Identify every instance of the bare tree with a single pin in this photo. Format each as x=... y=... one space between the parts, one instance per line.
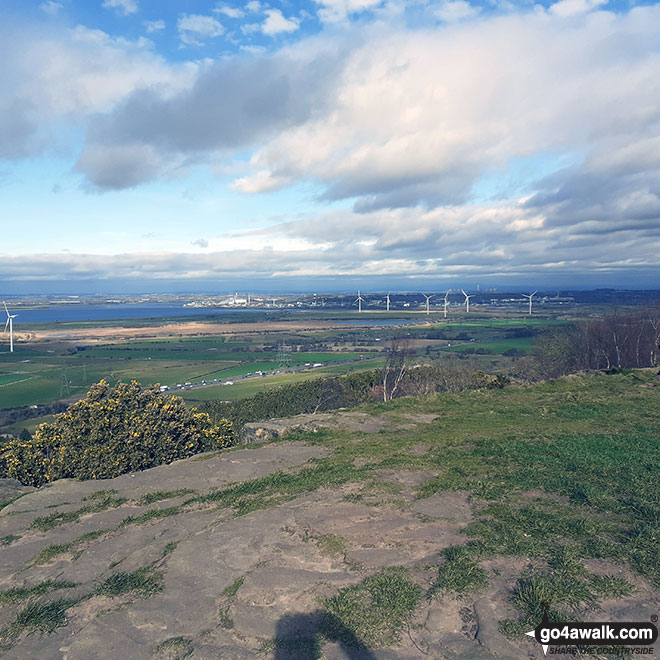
x=396 y=366
x=654 y=344
x=618 y=340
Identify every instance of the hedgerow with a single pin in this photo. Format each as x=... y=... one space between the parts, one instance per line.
x=297 y=398
x=113 y=430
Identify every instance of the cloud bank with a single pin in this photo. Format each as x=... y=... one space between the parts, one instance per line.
x=501 y=143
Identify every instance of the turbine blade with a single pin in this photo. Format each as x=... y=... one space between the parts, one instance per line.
x=6 y=324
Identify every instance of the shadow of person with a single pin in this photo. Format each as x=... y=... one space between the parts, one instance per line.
x=300 y=636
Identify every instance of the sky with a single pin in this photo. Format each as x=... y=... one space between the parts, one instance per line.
x=156 y=145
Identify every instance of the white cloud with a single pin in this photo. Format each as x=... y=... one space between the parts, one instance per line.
x=574 y=7
x=276 y=23
x=250 y=28
x=254 y=6
x=262 y=181
x=231 y=12
x=458 y=10
x=51 y=7
x=193 y=27
x=417 y=117
x=402 y=123
x=333 y=11
x=122 y=7
x=154 y=26
x=68 y=74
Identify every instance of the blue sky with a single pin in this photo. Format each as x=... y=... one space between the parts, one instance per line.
x=302 y=144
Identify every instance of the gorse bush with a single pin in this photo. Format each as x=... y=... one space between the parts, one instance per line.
x=112 y=431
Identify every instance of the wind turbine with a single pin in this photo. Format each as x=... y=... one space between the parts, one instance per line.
x=467 y=301
x=388 y=301
x=10 y=323
x=359 y=301
x=428 y=298
x=446 y=301
x=530 y=296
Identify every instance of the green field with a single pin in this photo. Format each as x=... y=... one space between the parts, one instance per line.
x=30 y=376
x=43 y=373
x=245 y=388
x=497 y=346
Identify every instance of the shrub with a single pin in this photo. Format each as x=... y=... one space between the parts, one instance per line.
x=296 y=398
x=112 y=431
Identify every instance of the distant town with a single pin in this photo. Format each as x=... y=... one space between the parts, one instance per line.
x=407 y=300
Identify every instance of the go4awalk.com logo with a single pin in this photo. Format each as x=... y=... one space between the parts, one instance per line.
x=596 y=638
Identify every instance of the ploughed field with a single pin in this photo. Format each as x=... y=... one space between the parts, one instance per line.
x=441 y=527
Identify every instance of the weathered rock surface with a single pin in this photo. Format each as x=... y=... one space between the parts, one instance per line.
x=350 y=420
x=10 y=489
x=230 y=585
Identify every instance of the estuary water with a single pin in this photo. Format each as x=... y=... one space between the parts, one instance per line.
x=115 y=311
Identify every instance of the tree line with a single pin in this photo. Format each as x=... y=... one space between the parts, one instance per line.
x=622 y=340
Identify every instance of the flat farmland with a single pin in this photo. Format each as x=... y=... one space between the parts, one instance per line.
x=42 y=375
x=245 y=388
x=495 y=346
x=61 y=362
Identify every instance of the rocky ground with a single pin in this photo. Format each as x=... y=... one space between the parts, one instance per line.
x=140 y=570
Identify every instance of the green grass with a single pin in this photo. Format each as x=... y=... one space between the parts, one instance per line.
x=308 y=648
x=8 y=539
x=99 y=501
x=170 y=547
x=560 y=473
x=7 y=378
x=159 y=495
x=175 y=648
x=373 y=612
x=590 y=443
x=152 y=514
x=52 y=551
x=165 y=362
x=331 y=544
x=231 y=590
x=249 y=387
x=143 y=582
x=41 y=617
x=460 y=574
x=496 y=346
x=563 y=592
x=21 y=593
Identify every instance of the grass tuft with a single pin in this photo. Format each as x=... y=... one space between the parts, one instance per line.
x=152 y=514
x=38 y=617
x=373 y=612
x=144 y=582
x=99 y=501
x=169 y=548
x=21 y=593
x=160 y=495
x=459 y=574
x=565 y=590
x=8 y=539
x=331 y=544
x=231 y=590
x=175 y=648
x=51 y=551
